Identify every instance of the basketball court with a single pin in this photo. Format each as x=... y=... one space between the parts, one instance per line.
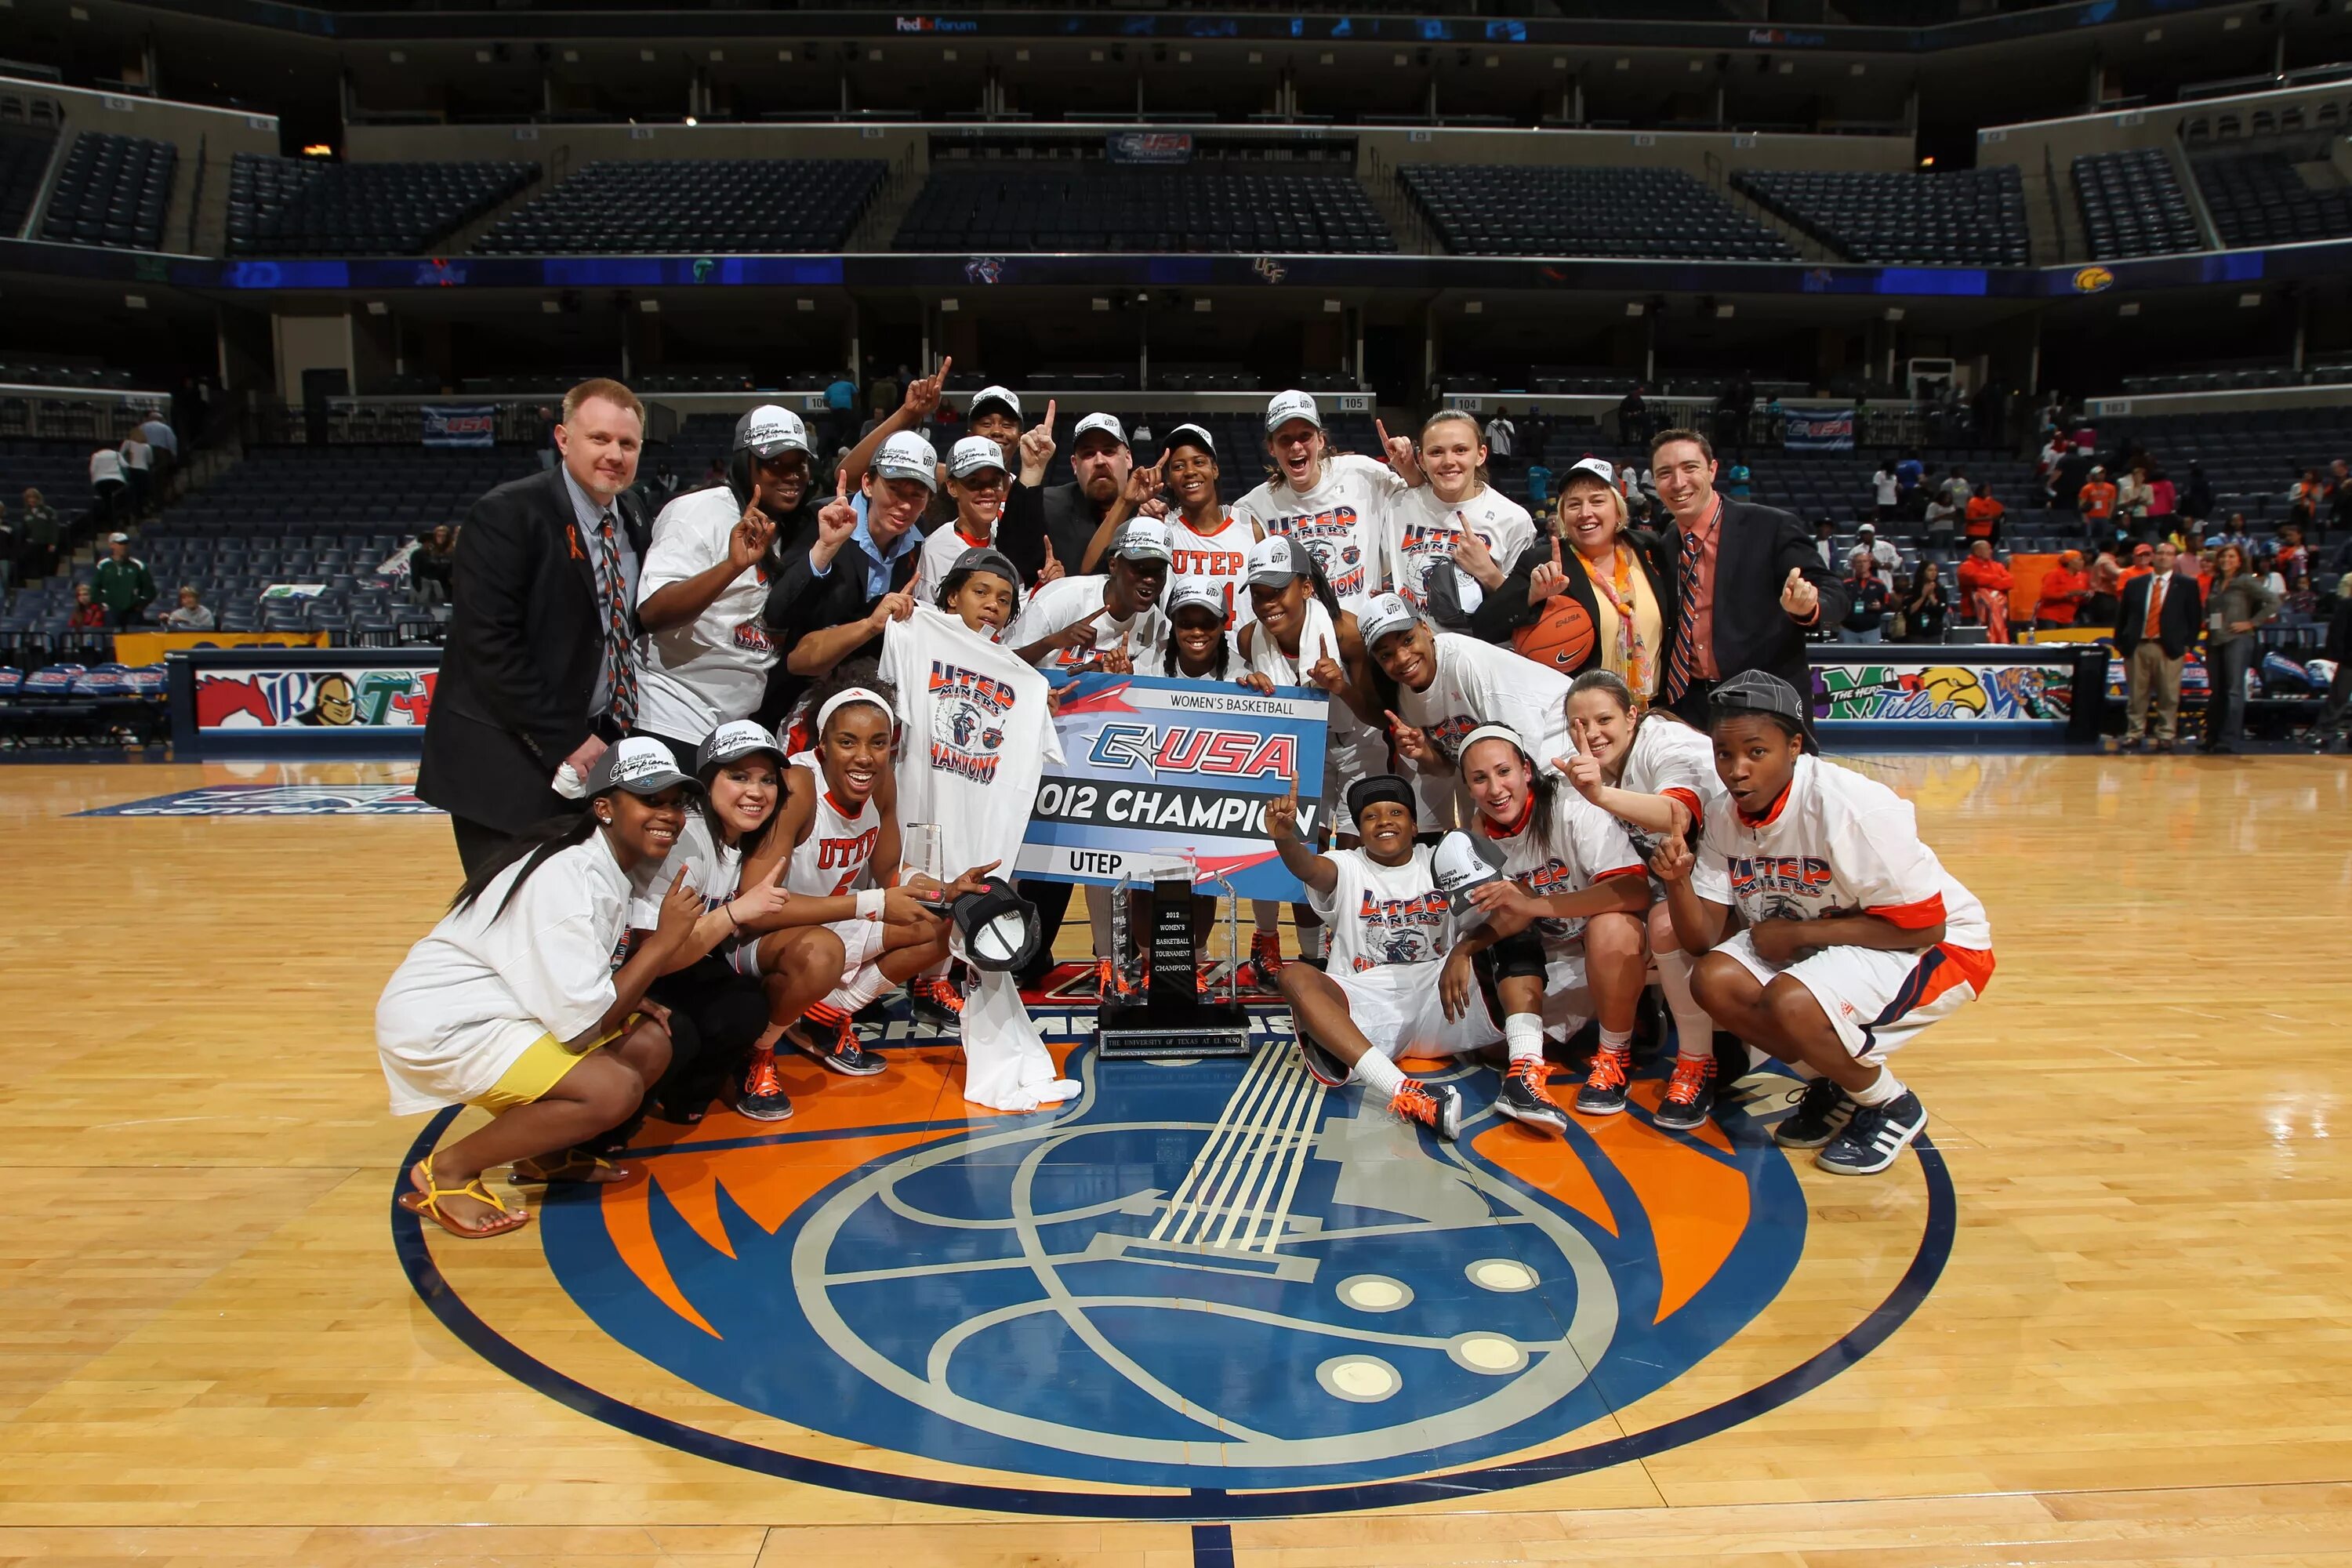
x=1209 y=1313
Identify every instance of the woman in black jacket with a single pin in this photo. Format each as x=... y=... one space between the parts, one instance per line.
x=1614 y=573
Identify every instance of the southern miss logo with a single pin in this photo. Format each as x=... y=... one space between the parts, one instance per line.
x=968 y=711
x=1221 y=753
x=1401 y=930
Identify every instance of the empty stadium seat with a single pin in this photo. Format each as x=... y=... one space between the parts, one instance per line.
x=671 y=205
x=301 y=206
x=2263 y=198
x=1122 y=209
x=113 y=191
x=1521 y=209
x=25 y=152
x=2132 y=205
x=1969 y=218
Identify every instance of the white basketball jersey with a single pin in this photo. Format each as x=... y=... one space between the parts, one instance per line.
x=1384 y=914
x=1214 y=560
x=832 y=861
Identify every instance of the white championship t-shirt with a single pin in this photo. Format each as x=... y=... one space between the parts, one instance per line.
x=1384 y=914
x=705 y=672
x=1478 y=683
x=481 y=987
x=1586 y=845
x=1836 y=844
x=1066 y=600
x=1670 y=758
x=1421 y=531
x=1342 y=521
x=976 y=740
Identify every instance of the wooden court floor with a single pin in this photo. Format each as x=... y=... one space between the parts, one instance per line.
x=2140 y=1350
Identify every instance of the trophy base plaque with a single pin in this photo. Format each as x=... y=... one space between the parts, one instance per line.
x=1170 y=1018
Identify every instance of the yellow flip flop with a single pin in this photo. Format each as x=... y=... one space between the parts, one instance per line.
x=428 y=1203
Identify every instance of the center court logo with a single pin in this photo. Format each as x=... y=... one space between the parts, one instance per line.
x=1216 y=1281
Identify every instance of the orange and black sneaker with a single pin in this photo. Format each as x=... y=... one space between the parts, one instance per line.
x=827 y=1036
x=761 y=1097
x=1265 y=961
x=1437 y=1107
x=935 y=998
x=1603 y=1093
x=1690 y=1094
x=1525 y=1096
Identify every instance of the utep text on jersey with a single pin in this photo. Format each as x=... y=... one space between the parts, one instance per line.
x=1405 y=931
x=968 y=711
x=1330 y=537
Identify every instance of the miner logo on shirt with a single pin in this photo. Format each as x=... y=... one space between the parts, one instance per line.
x=752 y=637
x=1330 y=537
x=1404 y=931
x=968 y=711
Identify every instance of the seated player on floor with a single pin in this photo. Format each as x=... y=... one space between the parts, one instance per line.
x=1845 y=938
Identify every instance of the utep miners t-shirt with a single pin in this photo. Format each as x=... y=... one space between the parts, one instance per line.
x=702 y=673
x=1478 y=683
x=976 y=740
x=1839 y=843
x=1343 y=521
x=1586 y=846
x=1384 y=914
x=1064 y=602
x=1421 y=531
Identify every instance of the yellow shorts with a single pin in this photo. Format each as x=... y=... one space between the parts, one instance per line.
x=543 y=1066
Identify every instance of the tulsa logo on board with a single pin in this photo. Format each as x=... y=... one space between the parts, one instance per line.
x=1213 y=1277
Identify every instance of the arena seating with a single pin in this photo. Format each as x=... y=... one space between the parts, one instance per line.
x=25 y=153
x=113 y=191
x=1523 y=209
x=2132 y=205
x=384 y=490
x=1969 y=218
x=302 y=206
x=2260 y=198
x=1142 y=209
x=668 y=206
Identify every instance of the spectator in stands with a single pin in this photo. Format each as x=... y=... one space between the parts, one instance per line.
x=883 y=392
x=1943 y=519
x=1927 y=606
x=1865 y=616
x=2132 y=499
x=432 y=567
x=840 y=411
x=108 y=491
x=1984 y=516
x=2155 y=627
x=88 y=613
x=2266 y=568
x=1502 y=441
x=138 y=470
x=1910 y=474
x=2045 y=464
x=542 y=434
x=1955 y=490
x=1887 y=491
x=192 y=614
x=2196 y=500
x=1632 y=418
x=713 y=473
x=539 y=673
x=2105 y=601
x=2064 y=589
x=1738 y=482
x=1885 y=558
x=2294 y=560
x=2335 y=713
x=2163 y=498
x=2096 y=502
x=2339 y=493
x=8 y=549
x=1538 y=479
x=2143 y=561
x=2234 y=532
x=1985 y=584
x=38 y=529
x=164 y=438
x=1825 y=542
x=1746 y=585
x=2073 y=472
x=2304 y=498
x=2238 y=604
x=123 y=583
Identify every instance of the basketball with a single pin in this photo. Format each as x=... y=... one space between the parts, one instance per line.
x=1562 y=636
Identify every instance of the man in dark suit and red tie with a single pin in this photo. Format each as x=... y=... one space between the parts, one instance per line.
x=538 y=670
x=1748 y=583
x=2154 y=629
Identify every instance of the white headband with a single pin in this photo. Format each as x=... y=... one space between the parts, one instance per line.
x=842 y=698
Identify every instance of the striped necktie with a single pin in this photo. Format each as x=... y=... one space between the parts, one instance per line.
x=1682 y=667
x=618 y=665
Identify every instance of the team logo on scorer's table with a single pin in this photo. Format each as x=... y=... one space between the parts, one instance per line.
x=1211 y=1287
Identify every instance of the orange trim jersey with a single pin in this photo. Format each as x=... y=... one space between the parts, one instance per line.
x=1215 y=561
x=832 y=859
x=1838 y=843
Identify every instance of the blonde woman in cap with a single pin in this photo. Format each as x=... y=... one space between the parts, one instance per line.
x=1335 y=505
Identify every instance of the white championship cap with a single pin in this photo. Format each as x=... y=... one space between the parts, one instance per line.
x=1383 y=615
x=769 y=430
x=989 y=397
x=906 y=456
x=1105 y=423
x=1273 y=563
x=1143 y=539
x=1462 y=862
x=1287 y=407
x=973 y=453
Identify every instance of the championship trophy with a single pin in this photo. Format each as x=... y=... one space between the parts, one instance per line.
x=1155 y=1009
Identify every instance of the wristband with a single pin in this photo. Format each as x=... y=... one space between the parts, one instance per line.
x=729 y=907
x=869 y=904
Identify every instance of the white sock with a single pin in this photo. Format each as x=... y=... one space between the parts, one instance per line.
x=1523 y=1033
x=1884 y=1089
x=1694 y=1029
x=1616 y=1039
x=1378 y=1074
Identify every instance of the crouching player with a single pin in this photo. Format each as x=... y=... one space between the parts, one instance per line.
x=1852 y=937
x=1390 y=933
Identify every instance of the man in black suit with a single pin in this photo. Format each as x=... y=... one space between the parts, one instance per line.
x=538 y=670
x=1752 y=575
x=2154 y=629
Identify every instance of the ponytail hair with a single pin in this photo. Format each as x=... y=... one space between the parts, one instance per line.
x=1600 y=680
x=1543 y=790
x=535 y=846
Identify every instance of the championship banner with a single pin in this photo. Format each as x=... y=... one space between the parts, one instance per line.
x=1821 y=432
x=460 y=425
x=1160 y=769
x=1149 y=147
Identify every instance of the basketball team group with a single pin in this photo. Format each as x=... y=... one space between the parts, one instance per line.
x=723 y=777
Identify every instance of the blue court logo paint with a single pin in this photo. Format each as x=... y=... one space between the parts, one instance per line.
x=1209 y=1278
